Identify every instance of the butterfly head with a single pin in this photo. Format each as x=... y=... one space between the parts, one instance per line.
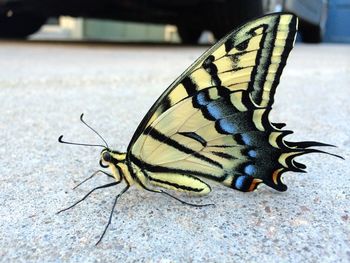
x=109 y=157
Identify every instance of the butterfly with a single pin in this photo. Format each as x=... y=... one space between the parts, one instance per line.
x=212 y=121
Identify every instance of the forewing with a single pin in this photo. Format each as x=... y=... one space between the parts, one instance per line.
x=249 y=58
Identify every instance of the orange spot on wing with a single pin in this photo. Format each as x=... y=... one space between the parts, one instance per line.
x=275 y=175
x=254 y=184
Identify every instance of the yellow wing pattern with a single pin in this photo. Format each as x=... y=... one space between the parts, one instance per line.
x=212 y=122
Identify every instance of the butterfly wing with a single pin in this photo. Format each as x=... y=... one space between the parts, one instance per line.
x=212 y=122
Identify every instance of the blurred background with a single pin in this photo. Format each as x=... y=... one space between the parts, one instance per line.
x=181 y=21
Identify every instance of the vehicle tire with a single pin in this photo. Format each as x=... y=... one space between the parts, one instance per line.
x=233 y=14
x=20 y=25
x=310 y=33
x=189 y=35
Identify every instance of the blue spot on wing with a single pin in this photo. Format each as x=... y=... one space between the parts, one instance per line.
x=219 y=109
x=243 y=182
x=201 y=99
x=227 y=126
x=240 y=181
x=252 y=154
x=215 y=110
x=246 y=139
x=249 y=169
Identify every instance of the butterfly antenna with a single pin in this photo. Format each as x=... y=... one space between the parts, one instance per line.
x=82 y=144
x=82 y=120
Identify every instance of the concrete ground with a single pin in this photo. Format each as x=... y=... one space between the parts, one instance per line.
x=45 y=87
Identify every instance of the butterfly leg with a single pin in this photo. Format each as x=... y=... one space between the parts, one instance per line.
x=174 y=197
x=111 y=214
x=93 y=190
x=91 y=176
x=184 y=202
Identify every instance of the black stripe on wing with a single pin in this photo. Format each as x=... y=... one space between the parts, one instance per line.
x=161 y=169
x=263 y=61
x=190 y=86
x=195 y=137
x=211 y=68
x=178 y=146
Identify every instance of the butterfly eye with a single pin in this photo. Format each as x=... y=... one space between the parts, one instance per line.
x=107 y=157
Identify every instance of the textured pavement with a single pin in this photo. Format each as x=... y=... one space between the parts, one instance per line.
x=45 y=87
